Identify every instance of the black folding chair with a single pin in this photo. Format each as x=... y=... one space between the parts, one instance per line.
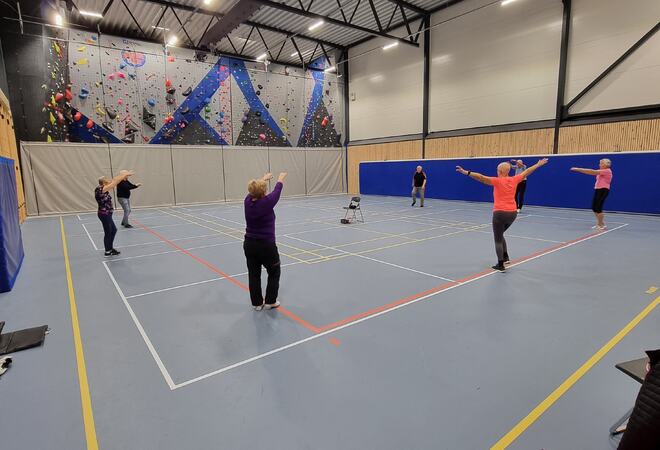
x=352 y=210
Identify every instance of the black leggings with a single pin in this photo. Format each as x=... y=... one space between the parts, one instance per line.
x=599 y=200
x=109 y=230
x=520 y=194
x=262 y=253
x=502 y=220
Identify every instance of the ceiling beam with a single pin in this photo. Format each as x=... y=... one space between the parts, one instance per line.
x=248 y=22
x=330 y=20
x=445 y=5
x=409 y=6
x=231 y=20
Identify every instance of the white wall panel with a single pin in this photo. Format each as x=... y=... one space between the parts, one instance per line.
x=388 y=87
x=495 y=65
x=601 y=31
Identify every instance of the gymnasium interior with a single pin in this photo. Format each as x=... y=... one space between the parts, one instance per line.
x=395 y=330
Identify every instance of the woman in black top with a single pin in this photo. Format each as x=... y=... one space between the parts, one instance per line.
x=104 y=201
x=124 y=189
x=418 y=185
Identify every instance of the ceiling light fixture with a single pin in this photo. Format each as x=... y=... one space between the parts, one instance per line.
x=207 y=2
x=392 y=45
x=172 y=40
x=506 y=2
x=262 y=57
x=160 y=28
x=59 y=21
x=91 y=14
x=315 y=25
x=330 y=69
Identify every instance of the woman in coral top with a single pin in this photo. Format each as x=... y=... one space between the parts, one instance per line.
x=601 y=189
x=505 y=209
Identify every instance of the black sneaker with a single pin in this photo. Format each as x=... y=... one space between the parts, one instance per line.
x=128 y=225
x=500 y=267
x=421 y=206
x=413 y=203
x=114 y=252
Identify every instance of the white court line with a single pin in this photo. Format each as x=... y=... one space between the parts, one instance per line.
x=140 y=229
x=147 y=341
x=158 y=291
x=373 y=316
x=372 y=259
x=171 y=251
x=570 y=218
x=173 y=240
x=522 y=237
x=90 y=237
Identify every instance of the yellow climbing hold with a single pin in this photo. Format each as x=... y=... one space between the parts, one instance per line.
x=51 y=117
x=283 y=120
x=82 y=62
x=82 y=48
x=49 y=139
x=57 y=48
x=99 y=110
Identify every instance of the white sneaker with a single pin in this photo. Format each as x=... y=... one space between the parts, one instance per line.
x=518 y=209
x=602 y=228
x=271 y=305
x=594 y=227
x=258 y=308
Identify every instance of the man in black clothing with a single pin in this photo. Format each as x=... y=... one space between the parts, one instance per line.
x=418 y=185
x=124 y=189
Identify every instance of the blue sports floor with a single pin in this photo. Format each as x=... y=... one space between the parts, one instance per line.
x=394 y=333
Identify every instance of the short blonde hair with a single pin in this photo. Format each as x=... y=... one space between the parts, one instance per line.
x=257 y=188
x=103 y=181
x=607 y=162
x=503 y=167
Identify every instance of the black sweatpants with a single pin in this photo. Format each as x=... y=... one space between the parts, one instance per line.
x=260 y=253
x=109 y=231
x=520 y=194
x=502 y=220
x=599 y=200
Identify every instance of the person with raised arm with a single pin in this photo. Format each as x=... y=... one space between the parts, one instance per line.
x=260 y=246
x=505 y=209
x=105 y=209
x=601 y=189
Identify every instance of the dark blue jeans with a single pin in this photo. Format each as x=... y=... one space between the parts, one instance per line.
x=109 y=230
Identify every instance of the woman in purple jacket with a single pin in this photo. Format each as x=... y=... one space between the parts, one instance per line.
x=259 y=245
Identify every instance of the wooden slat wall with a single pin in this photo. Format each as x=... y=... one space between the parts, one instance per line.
x=527 y=142
x=378 y=152
x=634 y=135
x=8 y=148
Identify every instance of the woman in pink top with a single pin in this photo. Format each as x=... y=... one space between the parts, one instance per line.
x=505 y=209
x=601 y=189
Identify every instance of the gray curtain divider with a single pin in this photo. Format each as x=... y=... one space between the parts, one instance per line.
x=60 y=177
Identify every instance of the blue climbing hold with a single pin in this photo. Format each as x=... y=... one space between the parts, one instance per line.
x=152 y=102
x=83 y=94
x=122 y=65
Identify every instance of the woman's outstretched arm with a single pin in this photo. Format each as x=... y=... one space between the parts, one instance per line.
x=527 y=172
x=585 y=171
x=474 y=175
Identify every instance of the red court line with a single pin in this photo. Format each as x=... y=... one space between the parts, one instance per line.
x=210 y=266
x=447 y=286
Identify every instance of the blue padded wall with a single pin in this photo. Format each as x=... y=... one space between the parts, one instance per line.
x=635 y=186
x=11 y=242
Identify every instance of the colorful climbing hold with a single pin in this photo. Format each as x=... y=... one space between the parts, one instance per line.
x=90 y=124
x=324 y=122
x=51 y=117
x=151 y=102
x=262 y=137
x=77 y=116
x=68 y=95
x=168 y=83
x=121 y=75
x=59 y=97
x=83 y=94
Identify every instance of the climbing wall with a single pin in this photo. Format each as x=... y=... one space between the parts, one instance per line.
x=110 y=89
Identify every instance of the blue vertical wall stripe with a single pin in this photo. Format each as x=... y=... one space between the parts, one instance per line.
x=635 y=185
x=11 y=242
x=195 y=102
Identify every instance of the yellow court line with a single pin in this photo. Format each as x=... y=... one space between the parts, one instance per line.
x=85 y=399
x=652 y=290
x=230 y=235
x=241 y=238
x=542 y=407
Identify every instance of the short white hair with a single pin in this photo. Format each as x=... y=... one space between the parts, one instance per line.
x=419 y=167
x=607 y=162
x=503 y=167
